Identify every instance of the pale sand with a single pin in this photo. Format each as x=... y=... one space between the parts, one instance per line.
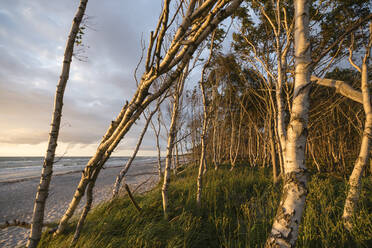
x=17 y=199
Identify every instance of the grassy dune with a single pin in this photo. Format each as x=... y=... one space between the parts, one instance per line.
x=237 y=211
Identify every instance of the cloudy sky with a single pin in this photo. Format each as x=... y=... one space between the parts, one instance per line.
x=32 y=41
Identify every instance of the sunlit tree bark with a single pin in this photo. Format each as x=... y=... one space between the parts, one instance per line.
x=284 y=232
x=281 y=59
x=203 y=137
x=215 y=133
x=87 y=207
x=47 y=171
x=341 y=87
x=124 y=171
x=172 y=140
x=179 y=52
x=157 y=130
x=352 y=198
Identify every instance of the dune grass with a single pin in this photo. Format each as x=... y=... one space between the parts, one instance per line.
x=237 y=211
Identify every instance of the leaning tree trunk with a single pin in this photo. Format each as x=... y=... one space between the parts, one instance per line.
x=171 y=141
x=202 y=163
x=124 y=171
x=284 y=232
x=119 y=178
x=356 y=176
x=157 y=134
x=47 y=171
x=86 y=210
x=172 y=61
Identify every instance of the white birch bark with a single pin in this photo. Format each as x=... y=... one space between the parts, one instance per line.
x=284 y=232
x=171 y=141
x=124 y=171
x=202 y=162
x=281 y=111
x=157 y=133
x=94 y=164
x=179 y=53
x=353 y=195
x=86 y=210
x=272 y=150
x=235 y=139
x=281 y=53
x=157 y=130
x=341 y=87
x=202 y=138
x=216 y=160
x=174 y=158
x=47 y=171
x=177 y=157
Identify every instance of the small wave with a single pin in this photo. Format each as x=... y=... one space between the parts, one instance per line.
x=18 y=180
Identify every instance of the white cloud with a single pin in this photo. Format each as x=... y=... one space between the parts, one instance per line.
x=32 y=40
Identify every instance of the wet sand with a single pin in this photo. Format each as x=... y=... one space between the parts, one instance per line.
x=17 y=198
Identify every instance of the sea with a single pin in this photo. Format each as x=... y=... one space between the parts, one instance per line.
x=14 y=169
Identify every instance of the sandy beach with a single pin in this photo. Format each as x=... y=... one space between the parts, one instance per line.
x=17 y=198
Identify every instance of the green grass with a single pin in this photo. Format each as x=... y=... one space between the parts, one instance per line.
x=237 y=211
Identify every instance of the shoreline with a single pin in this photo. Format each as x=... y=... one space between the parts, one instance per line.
x=61 y=174
x=17 y=198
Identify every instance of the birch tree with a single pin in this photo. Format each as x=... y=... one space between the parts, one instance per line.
x=172 y=140
x=157 y=130
x=361 y=162
x=204 y=127
x=84 y=213
x=124 y=171
x=284 y=231
x=196 y=24
x=47 y=171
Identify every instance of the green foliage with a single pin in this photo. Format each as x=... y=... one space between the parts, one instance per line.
x=237 y=211
x=322 y=224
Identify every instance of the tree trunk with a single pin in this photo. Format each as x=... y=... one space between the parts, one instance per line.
x=157 y=134
x=173 y=62
x=124 y=171
x=177 y=157
x=272 y=151
x=203 y=136
x=281 y=112
x=352 y=198
x=171 y=141
x=174 y=158
x=86 y=210
x=94 y=164
x=47 y=171
x=341 y=87
x=284 y=232
x=214 y=143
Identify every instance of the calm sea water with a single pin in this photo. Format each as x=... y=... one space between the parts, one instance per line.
x=20 y=168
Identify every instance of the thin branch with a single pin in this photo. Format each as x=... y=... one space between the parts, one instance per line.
x=351 y=54
x=132 y=198
x=341 y=37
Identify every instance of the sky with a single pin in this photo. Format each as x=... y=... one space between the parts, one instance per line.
x=32 y=41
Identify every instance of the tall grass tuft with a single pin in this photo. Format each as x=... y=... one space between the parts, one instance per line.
x=237 y=210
